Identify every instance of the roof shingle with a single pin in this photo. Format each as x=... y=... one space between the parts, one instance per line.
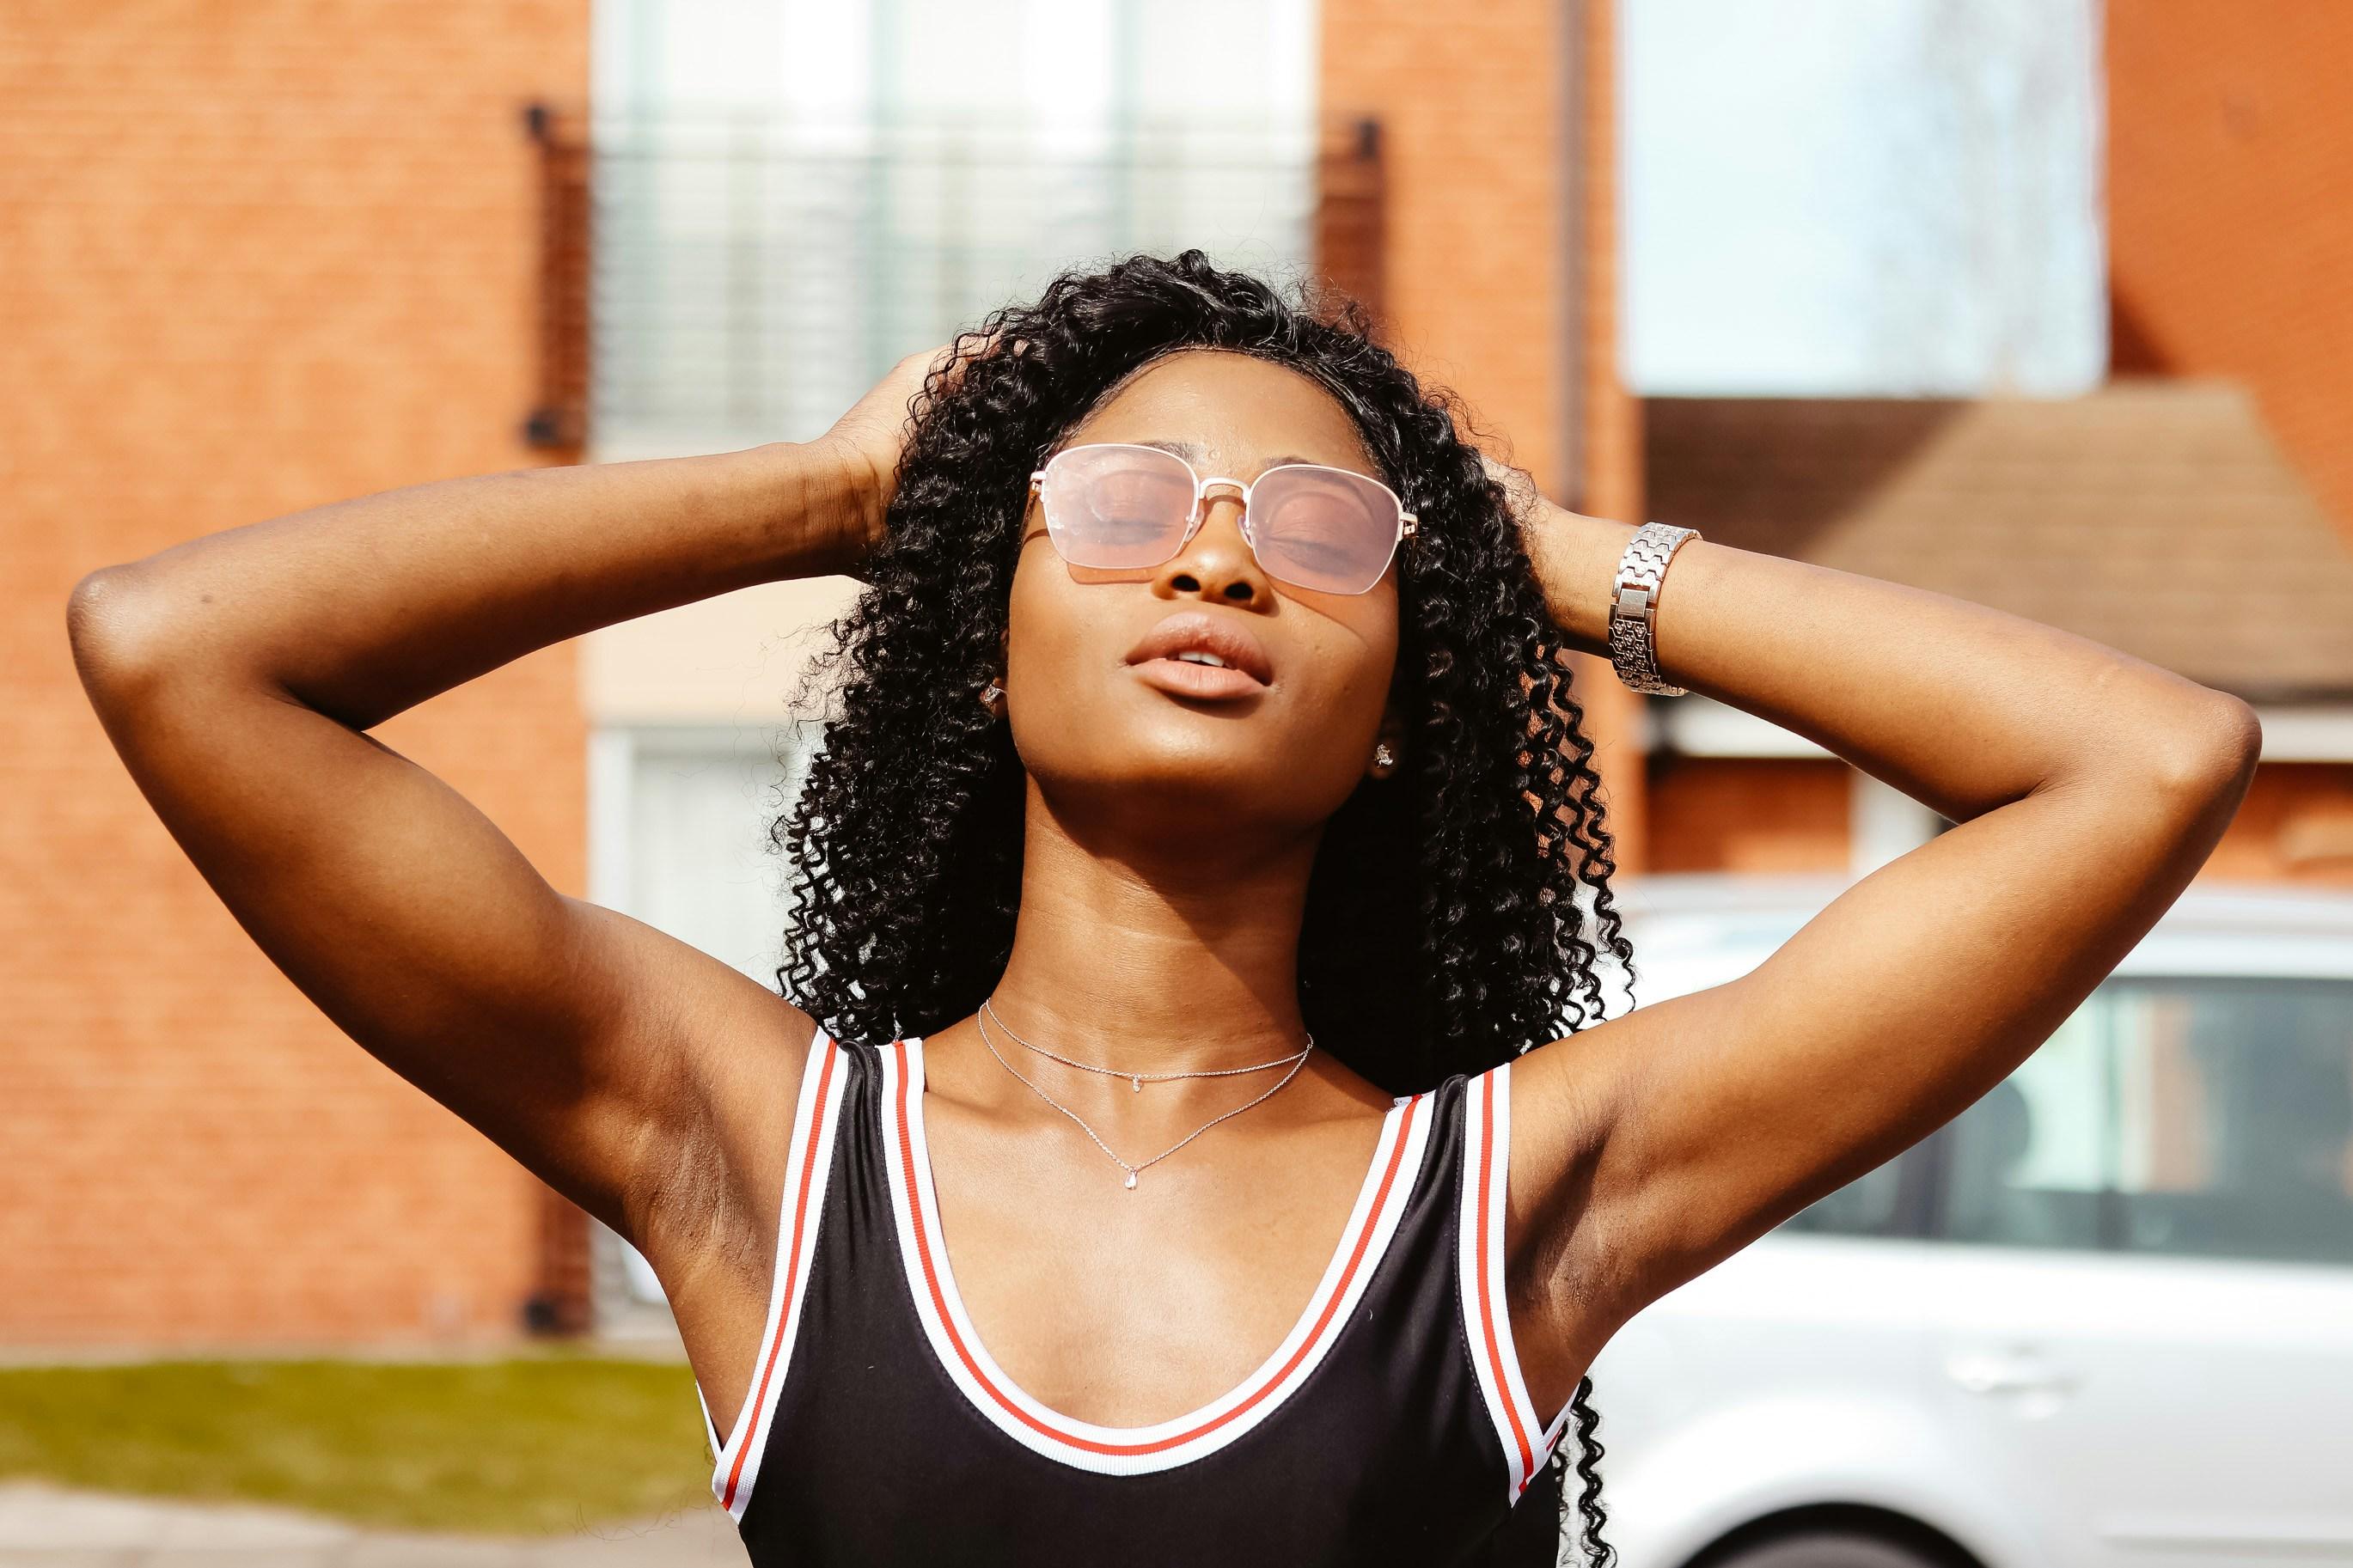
x=2154 y=515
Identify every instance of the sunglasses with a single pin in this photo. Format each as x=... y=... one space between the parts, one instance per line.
x=1116 y=506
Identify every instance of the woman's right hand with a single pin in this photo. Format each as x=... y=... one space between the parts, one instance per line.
x=867 y=440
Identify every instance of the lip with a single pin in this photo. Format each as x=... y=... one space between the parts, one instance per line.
x=1249 y=669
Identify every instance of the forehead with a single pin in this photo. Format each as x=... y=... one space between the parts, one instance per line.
x=1229 y=413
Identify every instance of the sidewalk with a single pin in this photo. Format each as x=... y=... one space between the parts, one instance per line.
x=45 y=1527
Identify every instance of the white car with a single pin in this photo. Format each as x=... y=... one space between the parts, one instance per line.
x=2103 y=1317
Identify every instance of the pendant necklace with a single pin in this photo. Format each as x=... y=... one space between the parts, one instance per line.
x=1134 y=1171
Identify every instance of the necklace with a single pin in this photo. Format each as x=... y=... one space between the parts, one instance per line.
x=1136 y=1079
x=1134 y=1171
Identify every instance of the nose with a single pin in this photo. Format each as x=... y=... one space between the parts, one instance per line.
x=1217 y=562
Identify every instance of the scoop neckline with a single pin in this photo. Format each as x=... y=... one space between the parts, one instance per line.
x=957 y=1345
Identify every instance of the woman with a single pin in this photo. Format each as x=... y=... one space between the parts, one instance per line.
x=1201 y=894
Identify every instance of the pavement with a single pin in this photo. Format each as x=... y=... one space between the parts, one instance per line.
x=47 y=1527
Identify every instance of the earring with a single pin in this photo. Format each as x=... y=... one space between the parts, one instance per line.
x=1382 y=757
x=992 y=697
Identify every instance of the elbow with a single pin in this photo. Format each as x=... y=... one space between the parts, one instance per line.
x=114 y=629
x=2212 y=754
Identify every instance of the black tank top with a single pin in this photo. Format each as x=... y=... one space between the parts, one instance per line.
x=1390 y=1426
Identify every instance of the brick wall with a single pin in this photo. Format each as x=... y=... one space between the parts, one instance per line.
x=2295 y=826
x=1764 y=816
x=253 y=257
x=2231 y=209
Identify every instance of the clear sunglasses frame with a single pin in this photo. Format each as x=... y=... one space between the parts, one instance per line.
x=1405 y=521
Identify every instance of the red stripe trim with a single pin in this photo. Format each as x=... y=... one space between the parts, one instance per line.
x=1486 y=1301
x=792 y=1271
x=948 y=1319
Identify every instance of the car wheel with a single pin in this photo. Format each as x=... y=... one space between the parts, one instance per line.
x=1821 y=1549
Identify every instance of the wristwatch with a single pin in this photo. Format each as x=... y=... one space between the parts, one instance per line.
x=1634 y=605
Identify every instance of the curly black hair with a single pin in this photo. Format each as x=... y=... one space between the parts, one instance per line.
x=1456 y=912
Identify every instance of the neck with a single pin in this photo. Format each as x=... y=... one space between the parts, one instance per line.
x=1173 y=950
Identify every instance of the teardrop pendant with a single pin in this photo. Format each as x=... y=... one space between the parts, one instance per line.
x=1136 y=1084
x=1131 y=1179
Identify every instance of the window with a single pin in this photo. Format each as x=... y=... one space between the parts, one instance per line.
x=2234 y=1119
x=791 y=193
x=1885 y=198
x=2024 y=1165
x=1871 y=1204
x=2209 y=1116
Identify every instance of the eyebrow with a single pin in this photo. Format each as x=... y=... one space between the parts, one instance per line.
x=1193 y=452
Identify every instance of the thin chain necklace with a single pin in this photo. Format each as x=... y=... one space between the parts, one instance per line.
x=1138 y=1080
x=1134 y=1171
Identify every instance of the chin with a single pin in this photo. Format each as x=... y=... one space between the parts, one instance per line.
x=1184 y=776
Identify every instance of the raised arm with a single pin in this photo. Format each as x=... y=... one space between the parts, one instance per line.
x=2087 y=786
x=237 y=675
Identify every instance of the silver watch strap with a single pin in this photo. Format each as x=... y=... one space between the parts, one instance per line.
x=1634 y=605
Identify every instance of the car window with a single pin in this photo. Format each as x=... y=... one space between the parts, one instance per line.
x=2205 y=1117
x=1871 y=1204
x=2234 y=1119
x=2026 y=1165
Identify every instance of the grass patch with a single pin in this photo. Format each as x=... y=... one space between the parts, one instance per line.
x=536 y=1445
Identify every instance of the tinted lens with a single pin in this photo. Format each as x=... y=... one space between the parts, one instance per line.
x=1324 y=528
x=1114 y=506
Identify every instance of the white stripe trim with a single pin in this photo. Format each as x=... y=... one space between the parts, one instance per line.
x=710 y=1425
x=1507 y=1398
x=784 y=1320
x=1263 y=1391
